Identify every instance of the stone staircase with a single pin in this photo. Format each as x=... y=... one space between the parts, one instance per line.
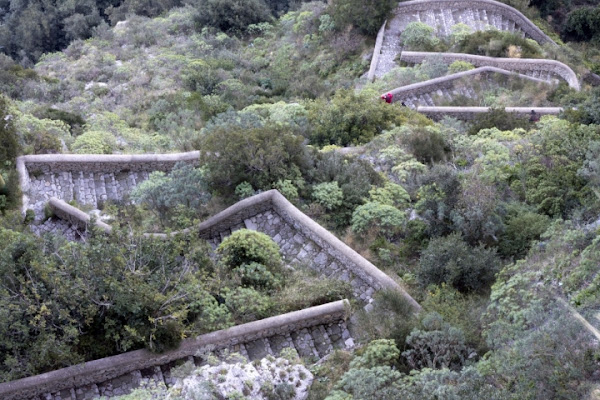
x=312 y=342
x=298 y=249
x=89 y=188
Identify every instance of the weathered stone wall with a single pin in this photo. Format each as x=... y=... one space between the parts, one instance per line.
x=443 y=14
x=74 y=216
x=301 y=240
x=315 y=331
x=536 y=68
x=376 y=53
x=421 y=93
x=88 y=178
x=468 y=113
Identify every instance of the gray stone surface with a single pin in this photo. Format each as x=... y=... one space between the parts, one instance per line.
x=444 y=14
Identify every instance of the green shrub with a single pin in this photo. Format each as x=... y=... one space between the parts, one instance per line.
x=366 y=15
x=437 y=346
x=247 y=304
x=390 y=194
x=522 y=226
x=495 y=43
x=419 y=36
x=256 y=275
x=287 y=189
x=377 y=353
x=348 y=118
x=378 y=218
x=231 y=16
x=244 y=190
x=95 y=142
x=245 y=246
x=451 y=260
x=498 y=118
x=328 y=194
x=460 y=66
x=427 y=144
x=9 y=150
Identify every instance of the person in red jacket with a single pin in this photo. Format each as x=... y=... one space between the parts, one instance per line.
x=388 y=97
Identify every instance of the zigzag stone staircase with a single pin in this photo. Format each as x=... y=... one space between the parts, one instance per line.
x=313 y=332
x=443 y=15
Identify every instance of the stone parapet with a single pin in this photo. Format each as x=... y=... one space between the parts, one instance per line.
x=74 y=215
x=508 y=12
x=520 y=65
x=98 y=371
x=376 y=53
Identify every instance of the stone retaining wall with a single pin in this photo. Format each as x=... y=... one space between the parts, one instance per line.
x=432 y=85
x=520 y=65
x=376 y=53
x=90 y=380
x=88 y=178
x=74 y=216
x=468 y=113
x=301 y=240
x=494 y=7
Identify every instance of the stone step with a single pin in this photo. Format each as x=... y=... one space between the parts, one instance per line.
x=321 y=340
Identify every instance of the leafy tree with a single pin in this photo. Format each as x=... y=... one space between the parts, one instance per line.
x=419 y=36
x=260 y=156
x=328 y=194
x=184 y=186
x=9 y=144
x=522 y=226
x=231 y=16
x=245 y=246
x=451 y=260
x=348 y=118
x=378 y=218
x=366 y=15
x=582 y=24
x=437 y=346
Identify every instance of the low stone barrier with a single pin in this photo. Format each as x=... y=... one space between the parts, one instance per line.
x=331 y=255
x=433 y=85
x=88 y=178
x=520 y=65
x=468 y=113
x=98 y=371
x=508 y=12
x=376 y=53
x=74 y=215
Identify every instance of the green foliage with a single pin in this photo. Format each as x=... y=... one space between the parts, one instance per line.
x=378 y=218
x=378 y=352
x=245 y=246
x=582 y=24
x=256 y=275
x=260 y=156
x=522 y=227
x=366 y=15
x=498 y=118
x=348 y=118
x=230 y=16
x=328 y=194
x=451 y=260
x=495 y=43
x=390 y=194
x=74 y=121
x=460 y=66
x=95 y=142
x=247 y=304
x=378 y=383
x=437 y=197
x=244 y=190
x=120 y=295
x=437 y=346
x=184 y=186
x=427 y=144
x=9 y=150
x=287 y=189
x=419 y=36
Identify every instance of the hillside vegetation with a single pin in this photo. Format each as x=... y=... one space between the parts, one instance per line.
x=489 y=224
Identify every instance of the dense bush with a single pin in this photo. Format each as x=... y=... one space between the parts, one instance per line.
x=231 y=16
x=366 y=15
x=245 y=246
x=9 y=148
x=419 y=36
x=348 y=118
x=498 y=118
x=522 y=226
x=495 y=43
x=378 y=219
x=582 y=24
x=260 y=156
x=451 y=260
x=328 y=194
